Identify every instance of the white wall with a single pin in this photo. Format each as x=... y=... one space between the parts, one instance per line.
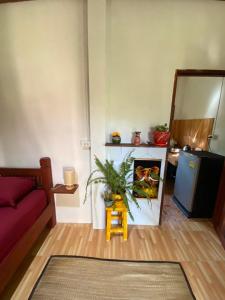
x=97 y=97
x=135 y=47
x=197 y=97
x=146 y=41
x=43 y=91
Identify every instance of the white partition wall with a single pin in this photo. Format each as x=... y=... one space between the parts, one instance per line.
x=149 y=212
x=97 y=96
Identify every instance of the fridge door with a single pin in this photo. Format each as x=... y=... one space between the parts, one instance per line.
x=186 y=179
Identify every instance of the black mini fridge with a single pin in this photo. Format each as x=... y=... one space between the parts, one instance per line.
x=197 y=182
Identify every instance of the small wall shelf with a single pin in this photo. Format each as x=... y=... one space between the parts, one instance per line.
x=132 y=145
x=61 y=189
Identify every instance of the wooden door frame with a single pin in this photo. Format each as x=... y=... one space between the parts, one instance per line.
x=183 y=73
x=219 y=211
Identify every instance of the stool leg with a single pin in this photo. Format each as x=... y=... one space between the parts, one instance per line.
x=120 y=219
x=125 y=225
x=108 y=225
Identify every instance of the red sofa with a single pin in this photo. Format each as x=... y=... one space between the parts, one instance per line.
x=26 y=207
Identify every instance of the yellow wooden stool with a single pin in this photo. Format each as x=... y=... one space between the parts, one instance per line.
x=121 y=215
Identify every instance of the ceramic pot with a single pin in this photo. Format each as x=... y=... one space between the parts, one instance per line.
x=116 y=139
x=161 y=138
x=108 y=203
x=137 y=138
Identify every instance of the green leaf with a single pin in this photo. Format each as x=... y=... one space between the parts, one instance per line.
x=118 y=182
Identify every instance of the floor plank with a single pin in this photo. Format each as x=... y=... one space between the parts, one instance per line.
x=194 y=243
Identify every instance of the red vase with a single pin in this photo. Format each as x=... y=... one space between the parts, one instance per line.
x=161 y=138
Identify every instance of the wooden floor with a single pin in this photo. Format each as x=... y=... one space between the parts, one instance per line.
x=194 y=243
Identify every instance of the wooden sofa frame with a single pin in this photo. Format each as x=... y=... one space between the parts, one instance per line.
x=43 y=179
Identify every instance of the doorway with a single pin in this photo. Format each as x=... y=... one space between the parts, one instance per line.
x=196 y=122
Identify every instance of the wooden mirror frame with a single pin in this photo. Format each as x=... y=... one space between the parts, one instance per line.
x=192 y=73
x=184 y=73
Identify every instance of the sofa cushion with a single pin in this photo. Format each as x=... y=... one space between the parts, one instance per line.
x=16 y=221
x=13 y=189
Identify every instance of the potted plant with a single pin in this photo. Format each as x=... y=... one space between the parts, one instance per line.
x=161 y=135
x=108 y=199
x=118 y=183
x=116 y=139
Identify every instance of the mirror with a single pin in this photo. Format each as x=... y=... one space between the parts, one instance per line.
x=199 y=113
x=197 y=120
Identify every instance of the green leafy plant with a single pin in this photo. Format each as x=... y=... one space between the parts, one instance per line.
x=118 y=181
x=162 y=128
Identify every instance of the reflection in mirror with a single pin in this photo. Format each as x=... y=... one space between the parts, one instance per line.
x=197 y=120
x=197 y=102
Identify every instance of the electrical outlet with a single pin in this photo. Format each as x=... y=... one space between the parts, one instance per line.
x=85 y=144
